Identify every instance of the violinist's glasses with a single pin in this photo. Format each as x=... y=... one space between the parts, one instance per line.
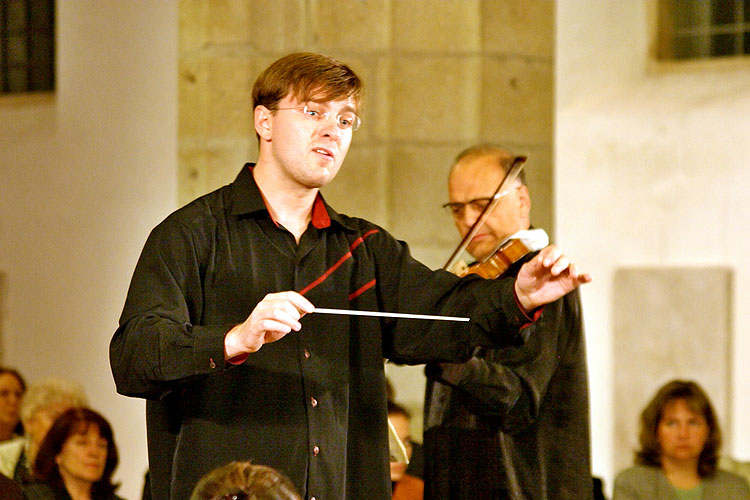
x=347 y=120
x=457 y=209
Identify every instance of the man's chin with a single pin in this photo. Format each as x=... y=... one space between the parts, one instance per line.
x=480 y=252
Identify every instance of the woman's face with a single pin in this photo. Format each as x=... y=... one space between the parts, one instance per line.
x=682 y=433
x=83 y=456
x=10 y=400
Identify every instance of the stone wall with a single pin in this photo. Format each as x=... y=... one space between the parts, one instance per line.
x=440 y=75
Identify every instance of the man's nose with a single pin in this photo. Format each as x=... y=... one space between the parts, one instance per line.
x=329 y=127
x=471 y=214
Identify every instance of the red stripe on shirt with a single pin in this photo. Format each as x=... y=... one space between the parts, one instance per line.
x=362 y=290
x=326 y=274
x=343 y=259
x=362 y=238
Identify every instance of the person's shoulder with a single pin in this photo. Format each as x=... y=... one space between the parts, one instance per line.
x=362 y=228
x=352 y=222
x=38 y=491
x=198 y=218
x=731 y=478
x=206 y=206
x=10 y=453
x=638 y=473
x=641 y=482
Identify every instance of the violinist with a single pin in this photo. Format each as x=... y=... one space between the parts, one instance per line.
x=221 y=331
x=509 y=423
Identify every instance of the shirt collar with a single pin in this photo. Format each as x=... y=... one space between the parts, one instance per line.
x=246 y=198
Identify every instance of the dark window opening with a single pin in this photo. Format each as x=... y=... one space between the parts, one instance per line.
x=699 y=29
x=27 y=46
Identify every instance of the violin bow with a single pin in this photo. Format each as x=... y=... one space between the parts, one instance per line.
x=510 y=176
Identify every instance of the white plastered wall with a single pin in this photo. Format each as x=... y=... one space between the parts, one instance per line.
x=85 y=174
x=651 y=167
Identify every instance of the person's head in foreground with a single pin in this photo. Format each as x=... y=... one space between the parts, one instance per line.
x=244 y=481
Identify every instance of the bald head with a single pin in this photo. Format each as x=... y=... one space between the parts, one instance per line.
x=494 y=156
x=473 y=179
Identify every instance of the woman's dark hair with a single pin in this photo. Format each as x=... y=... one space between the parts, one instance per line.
x=11 y=371
x=697 y=400
x=396 y=409
x=71 y=422
x=15 y=373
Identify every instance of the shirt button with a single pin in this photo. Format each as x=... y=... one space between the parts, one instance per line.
x=313 y=402
x=316 y=450
x=307 y=354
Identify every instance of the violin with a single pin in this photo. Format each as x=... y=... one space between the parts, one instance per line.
x=507 y=253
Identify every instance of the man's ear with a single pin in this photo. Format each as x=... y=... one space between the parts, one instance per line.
x=263 y=118
x=524 y=200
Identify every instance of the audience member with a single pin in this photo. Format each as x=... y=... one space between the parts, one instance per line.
x=76 y=459
x=679 y=451
x=244 y=481
x=42 y=403
x=416 y=460
x=405 y=486
x=12 y=387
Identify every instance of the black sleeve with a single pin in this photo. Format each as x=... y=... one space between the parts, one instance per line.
x=508 y=385
x=159 y=343
x=406 y=285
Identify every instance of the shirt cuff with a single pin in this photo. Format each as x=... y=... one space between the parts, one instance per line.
x=535 y=314
x=238 y=359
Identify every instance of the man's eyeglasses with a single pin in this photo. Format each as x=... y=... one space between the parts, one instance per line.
x=457 y=209
x=348 y=120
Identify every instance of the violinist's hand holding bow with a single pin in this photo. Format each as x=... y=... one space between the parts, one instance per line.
x=547 y=277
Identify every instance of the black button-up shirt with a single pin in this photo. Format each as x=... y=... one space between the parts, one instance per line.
x=313 y=403
x=513 y=423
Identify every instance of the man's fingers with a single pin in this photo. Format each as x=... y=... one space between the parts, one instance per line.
x=550 y=255
x=275 y=326
x=561 y=264
x=300 y=303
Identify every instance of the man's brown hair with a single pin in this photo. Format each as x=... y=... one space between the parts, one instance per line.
x=308 y=77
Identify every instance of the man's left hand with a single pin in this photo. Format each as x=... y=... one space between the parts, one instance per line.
x=547 y=277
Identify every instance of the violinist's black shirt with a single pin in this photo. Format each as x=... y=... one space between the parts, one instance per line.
x=513 y=423
x=313 y=403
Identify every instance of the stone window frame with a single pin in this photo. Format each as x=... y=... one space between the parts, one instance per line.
x=699 y=30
